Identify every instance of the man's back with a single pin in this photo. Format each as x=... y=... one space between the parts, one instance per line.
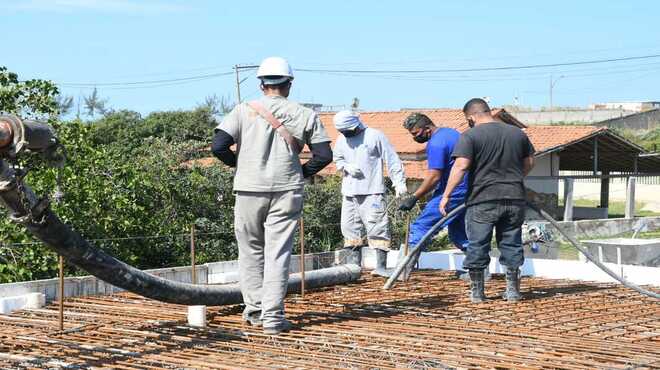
x=439 y=156
x=497 y=152
x=265 y=162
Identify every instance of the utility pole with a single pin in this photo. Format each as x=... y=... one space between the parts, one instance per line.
x=237 y=69
x=552 y=86
x=238 y=85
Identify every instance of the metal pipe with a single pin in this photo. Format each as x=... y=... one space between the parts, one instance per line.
x=61 y=288
x=302 y=257
x=193 y=273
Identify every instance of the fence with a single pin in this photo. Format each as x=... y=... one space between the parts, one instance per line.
x=641 y=179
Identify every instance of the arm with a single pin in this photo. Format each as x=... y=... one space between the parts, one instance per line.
x=528 y=164
x=338 y=154
x=394 y=166
x=429 y=183
x=220 y=148
x=321 y=157
x=461 y=166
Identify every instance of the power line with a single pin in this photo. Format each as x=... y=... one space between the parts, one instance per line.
x=191 y=78
x=482 y=69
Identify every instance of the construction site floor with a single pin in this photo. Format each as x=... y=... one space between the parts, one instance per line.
x=427 y=322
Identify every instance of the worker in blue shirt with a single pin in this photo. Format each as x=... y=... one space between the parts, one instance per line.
x=441 y=142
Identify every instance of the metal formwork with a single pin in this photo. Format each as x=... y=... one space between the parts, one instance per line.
x=427 y=322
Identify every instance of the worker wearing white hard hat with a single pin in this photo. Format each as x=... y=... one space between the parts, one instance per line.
x=360 y=154
x=269 y=133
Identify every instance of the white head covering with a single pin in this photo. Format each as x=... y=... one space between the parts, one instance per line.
x=347 y=120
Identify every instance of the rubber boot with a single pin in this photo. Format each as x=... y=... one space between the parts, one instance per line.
x=477 y=294
x=465 y=276
x=381 y=264
x=512 y=293
x=353 y=255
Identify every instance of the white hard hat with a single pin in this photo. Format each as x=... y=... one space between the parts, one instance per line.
x=346 y=120
x=274 y=71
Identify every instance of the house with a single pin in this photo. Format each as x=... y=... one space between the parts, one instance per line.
x=558 y=148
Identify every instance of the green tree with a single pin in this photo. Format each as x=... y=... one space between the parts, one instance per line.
x=95 y=104
x=31 y=98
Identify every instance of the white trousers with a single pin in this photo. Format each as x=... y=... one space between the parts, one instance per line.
x=365 y=215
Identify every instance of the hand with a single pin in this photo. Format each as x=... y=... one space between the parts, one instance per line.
x=408 y=203
x=352 y=170
x=443 y=205
x=400 y=190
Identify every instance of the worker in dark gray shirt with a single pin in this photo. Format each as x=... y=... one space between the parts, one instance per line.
x=497 y=156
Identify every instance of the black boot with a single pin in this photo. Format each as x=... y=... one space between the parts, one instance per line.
x=353 y=256
x=512 y=293
x=477 y=294
x=381 y=264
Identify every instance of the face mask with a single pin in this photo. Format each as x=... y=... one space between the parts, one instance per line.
x=422 y=137
x=351 y=133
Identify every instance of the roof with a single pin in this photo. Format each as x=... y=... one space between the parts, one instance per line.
x=549 y=138
x=427 y=322
x=574 y=144
x=390 y=123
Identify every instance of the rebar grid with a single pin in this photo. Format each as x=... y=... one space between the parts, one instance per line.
x=425 y=323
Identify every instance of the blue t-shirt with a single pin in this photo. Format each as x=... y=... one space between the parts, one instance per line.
x=438 y=152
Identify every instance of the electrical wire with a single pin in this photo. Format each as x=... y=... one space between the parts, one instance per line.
x=483 y=69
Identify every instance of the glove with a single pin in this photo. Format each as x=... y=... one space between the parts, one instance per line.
x=408 y=203
x=352 y=170
x=400 y=190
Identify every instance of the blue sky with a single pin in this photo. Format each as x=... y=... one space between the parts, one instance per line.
x=108 y=41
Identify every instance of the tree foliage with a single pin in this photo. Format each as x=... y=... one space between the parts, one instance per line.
x=31 y=98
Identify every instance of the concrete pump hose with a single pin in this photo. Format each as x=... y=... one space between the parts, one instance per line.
x=77 y=251
x=590 y=257
x=417 y=250
x=414 y=254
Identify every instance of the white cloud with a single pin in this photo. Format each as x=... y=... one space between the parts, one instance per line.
x=104 y=6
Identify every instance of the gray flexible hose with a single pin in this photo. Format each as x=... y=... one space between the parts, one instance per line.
x=416 y=252
x=590 y=257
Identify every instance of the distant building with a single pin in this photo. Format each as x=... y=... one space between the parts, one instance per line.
x=629 y=106
x=641 y=121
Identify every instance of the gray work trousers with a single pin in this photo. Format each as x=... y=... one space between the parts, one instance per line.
x=265 y=223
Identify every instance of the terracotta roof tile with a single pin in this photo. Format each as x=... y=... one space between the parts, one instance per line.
x=390 y=123
x=548 y=137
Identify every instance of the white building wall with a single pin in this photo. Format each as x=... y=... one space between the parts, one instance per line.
x=547 y=165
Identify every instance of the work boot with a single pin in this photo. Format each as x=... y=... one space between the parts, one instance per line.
x=512 y=293
x=254 y=319
x=281 y=327
x=381 y=264
x=465 y=276
x=353 y=256
x=477 y=294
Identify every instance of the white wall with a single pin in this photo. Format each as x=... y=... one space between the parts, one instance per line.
x=547 y=165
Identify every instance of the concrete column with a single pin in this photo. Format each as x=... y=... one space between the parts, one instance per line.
x=568 y=199
x=605 y=191
x=630 y=197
